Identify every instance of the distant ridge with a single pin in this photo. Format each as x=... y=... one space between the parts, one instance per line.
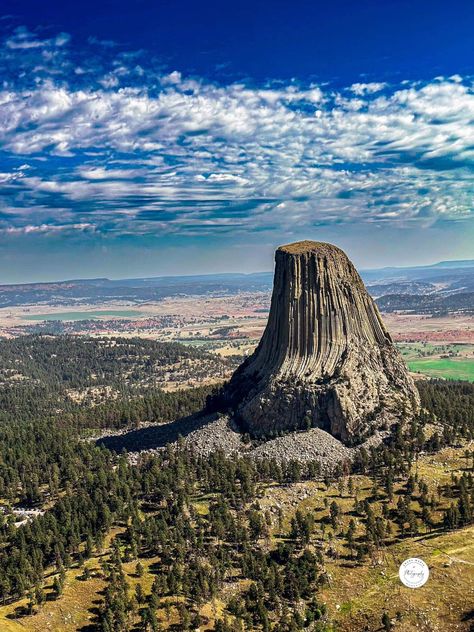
x=461 y=263
x=455 y=263
x=446 y=276
x=266 y=275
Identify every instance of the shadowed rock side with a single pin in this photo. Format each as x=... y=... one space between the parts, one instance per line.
x=325 y=359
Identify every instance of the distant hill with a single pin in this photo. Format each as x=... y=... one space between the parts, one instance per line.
x=455 y=263
x=434 y=304
x=93 y=291
x=104 y=382
x=445 y=277
x=442 y=288
x=460 y=263
x=76 y=362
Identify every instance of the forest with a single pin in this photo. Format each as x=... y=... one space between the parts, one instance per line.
x=204 y=550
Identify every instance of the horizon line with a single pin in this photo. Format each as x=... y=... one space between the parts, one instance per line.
x=216 y=274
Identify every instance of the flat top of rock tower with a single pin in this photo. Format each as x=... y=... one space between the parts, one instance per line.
x=306 y=246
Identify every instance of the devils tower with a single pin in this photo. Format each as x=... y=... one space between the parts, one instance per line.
x=326 y=359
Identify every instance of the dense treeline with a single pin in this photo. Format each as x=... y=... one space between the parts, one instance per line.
x=451 y=403
x=198 y=553
x=436 y=304
x=40 y=423
x=193 y=554
x=36 y=439
x=153 y=406
x=78 y=362
x=81 y=514
x=197 y=523
x=97 y=383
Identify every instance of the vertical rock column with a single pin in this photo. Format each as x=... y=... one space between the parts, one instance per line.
x=325 y=358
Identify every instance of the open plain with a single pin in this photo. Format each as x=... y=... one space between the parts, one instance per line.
x=438 y=346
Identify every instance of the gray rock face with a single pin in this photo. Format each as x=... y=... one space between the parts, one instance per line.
x=325 y=359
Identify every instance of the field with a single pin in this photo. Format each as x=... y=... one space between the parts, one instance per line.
x=363 y=593
x=441 y=347
x=444 y=368
x=84 y=315
x=448 y=361
x=358 y=594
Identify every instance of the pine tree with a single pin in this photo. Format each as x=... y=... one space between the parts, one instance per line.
x=386 y=622
x=350 y=536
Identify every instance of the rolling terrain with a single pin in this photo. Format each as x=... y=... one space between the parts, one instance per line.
x=448 y=361
x=93 y=540
x=124 y=533
x=427 y=287
x=228 y=313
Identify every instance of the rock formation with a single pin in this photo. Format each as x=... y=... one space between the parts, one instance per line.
x=326 y=359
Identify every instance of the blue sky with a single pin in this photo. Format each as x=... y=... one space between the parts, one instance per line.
x=158 y=137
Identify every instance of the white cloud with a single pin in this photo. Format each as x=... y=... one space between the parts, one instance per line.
x=101 y=173
x=172 y=79
x=187 y=152
x=45 y=229
x=434 y=120
x=23 y=39
x=361 y=89
x=109 y=81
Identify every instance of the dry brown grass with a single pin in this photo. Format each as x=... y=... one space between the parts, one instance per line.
x=357 y=595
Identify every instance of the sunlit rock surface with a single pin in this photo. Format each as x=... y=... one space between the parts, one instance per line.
x=325 y=359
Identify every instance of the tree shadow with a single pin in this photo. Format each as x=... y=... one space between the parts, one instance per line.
x=19 y=613
x=51 y=596
x=468 y=616
x=95 y=610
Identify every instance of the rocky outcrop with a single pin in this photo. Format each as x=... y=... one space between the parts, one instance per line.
x=326 y=359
